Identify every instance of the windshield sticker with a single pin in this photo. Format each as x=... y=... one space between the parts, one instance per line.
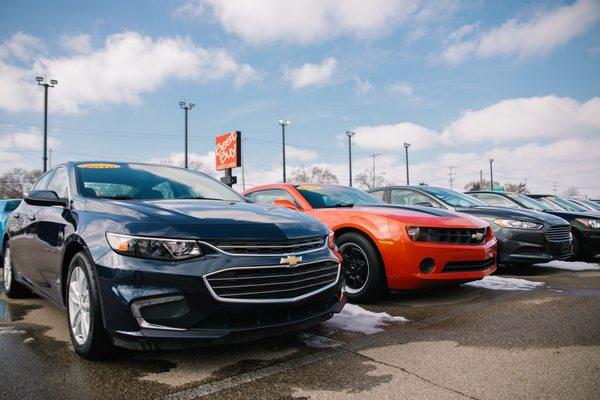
x=99 y=166
x=308 y=187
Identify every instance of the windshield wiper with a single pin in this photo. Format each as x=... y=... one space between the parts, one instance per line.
x=339 y=205
x=201 y=198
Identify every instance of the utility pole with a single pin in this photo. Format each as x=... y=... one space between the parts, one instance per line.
x=41 y=81
x=491 y=174
x=186 y=107
x=406 y=146
x=350 y=134
x=480 y=179
x=283 y=123
x=373 y=180
x=243 y=165
x=451 y=175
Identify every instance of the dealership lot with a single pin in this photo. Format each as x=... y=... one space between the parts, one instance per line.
x=468 y=342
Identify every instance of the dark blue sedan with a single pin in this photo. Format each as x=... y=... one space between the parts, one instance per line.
x=144 y=256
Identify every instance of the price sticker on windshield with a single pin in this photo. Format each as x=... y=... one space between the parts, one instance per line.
x=99 y=166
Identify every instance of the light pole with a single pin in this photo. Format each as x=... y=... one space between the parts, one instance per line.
x=41 y=81
x=350 y=134
x=406 y=146
x=283 y=123
x=186 y=107
x=491 y=174
x=373 y=181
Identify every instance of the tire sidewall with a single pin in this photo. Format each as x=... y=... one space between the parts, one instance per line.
x=375 y=286
x=88 y=347
x=14 y=289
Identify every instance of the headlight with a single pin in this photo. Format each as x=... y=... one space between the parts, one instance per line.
x=590 y=223
x=153 y=248
x=516 y=224
x=413 y=232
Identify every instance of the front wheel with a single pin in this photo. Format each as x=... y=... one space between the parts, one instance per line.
x=12 y=288
x=363 y=272
x=88 y=336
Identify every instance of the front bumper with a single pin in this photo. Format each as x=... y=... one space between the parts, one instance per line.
x=516 y=246
x=149 y=304
x=453 y=264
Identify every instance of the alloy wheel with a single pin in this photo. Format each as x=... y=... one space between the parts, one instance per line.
x=7 y=271
x=79 y=305
x=355 y=267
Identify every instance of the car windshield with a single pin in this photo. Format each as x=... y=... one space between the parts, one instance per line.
x=549 y=205
x=592 y=205
x=11 y=205
x=567 y=205
x=453 y=198
x=124 y=181
x=335 y=196
x=528 y=202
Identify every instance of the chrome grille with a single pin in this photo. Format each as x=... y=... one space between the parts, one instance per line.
x=559 y=233
x=294 y=246
x=452 y=235
x=273 y=284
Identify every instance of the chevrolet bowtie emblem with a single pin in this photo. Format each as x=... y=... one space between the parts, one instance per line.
x=292 y=261
x=477 y=236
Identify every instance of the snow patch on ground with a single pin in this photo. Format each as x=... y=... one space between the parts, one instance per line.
x=356 y=319
x=500 y=283
x=570 y=265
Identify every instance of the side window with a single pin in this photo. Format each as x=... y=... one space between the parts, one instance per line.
x=409 y=198
x=379 y=194
x=41 y=183
x=58 y=183
x=268 y=196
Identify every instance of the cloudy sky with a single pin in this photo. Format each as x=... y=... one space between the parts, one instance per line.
x=462 y=81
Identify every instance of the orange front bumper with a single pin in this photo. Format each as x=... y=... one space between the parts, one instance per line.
x=402 y=261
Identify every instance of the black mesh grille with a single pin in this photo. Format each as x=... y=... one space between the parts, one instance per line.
x=271 y=283
x=452 y=235
x=271 y=247
x=559 y=233
x=456 y=266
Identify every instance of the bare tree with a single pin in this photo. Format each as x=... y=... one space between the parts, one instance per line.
x=16 y=182
x=571 y=192
x=478 y=185
x=516 y=187
x=365 y=179
x=313 y=175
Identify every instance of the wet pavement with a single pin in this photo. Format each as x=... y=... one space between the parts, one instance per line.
x=464 y=342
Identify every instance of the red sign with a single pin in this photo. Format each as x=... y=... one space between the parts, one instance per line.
x=228 y=151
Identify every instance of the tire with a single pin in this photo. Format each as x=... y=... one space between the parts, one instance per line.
x=12 y=288
x=88 y=336
x=362 y=268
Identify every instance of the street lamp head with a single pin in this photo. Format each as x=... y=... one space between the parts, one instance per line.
x=283 y=122
x=407 y=145
x=39 y=79
x=192 y=105
x=53 y=82
x=182 y=104
x=350 y=133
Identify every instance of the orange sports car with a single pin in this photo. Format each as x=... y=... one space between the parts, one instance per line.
x=391 y=247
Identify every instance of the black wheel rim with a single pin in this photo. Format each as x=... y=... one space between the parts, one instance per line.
x=355 y=267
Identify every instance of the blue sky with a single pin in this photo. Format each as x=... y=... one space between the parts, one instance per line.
x=461 y=81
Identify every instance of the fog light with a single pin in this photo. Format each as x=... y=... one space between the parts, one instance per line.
x=427 y=265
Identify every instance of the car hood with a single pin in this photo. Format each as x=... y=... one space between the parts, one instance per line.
x=425 y=216
x=571 y=215
x=511 y=213
x=206 y=219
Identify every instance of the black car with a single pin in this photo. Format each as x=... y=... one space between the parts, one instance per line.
x=144 y=256
x=524 y=237
x=585 y=226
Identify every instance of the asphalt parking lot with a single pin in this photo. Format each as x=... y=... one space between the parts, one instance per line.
x=476 y=342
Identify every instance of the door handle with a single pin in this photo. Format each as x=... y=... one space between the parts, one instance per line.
x=31 y=217
x=17 y=215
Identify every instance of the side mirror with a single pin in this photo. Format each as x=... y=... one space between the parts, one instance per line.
x=424 y=204
x=45 y=198
x=249 y=199
x=286 y=203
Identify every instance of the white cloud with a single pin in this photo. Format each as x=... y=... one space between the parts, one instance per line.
x=362 y=87
x=295 y=153
x=536 y=36
x=22 y=47
x=307 y=21
x=311 y=74
x=463 y=31
x=31 y=139
x=128 y=65
x=77 y=44
x=526 y=118
x=401 y=87
x=393 y=137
